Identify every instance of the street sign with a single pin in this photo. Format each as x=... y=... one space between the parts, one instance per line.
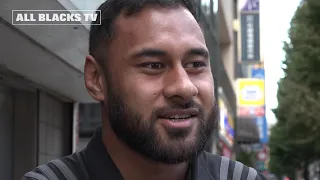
x=258 y=73
x=263 y=129
x=262 y=156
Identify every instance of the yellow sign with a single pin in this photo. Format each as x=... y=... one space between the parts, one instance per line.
x=250 y=92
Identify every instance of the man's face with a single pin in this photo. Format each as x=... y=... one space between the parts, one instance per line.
x=160 y=92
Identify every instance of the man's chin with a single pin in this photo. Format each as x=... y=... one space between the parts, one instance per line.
x=176 y=153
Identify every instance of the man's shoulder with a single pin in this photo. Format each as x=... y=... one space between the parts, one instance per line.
x=70 y=167
x=228 y=169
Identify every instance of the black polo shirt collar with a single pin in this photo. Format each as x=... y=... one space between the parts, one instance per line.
x=100 y=165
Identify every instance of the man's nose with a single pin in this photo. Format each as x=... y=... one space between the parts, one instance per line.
x=179 y=87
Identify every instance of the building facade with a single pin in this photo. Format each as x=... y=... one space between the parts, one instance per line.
x=41 y=76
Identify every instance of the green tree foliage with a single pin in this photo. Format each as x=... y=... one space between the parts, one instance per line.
x=295 y=139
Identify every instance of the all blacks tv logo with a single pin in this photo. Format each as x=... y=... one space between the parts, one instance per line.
x=252 y=93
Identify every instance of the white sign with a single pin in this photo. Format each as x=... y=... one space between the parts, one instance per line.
x=252 y=93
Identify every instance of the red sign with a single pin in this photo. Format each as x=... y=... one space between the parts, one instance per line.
x=251 y=111
x=262 y=156
x=225 y=150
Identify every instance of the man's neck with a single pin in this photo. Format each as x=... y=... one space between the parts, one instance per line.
x=133 y=166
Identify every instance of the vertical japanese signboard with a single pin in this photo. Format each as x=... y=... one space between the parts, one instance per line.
x=251 y=104
x=251 y=90
x=250 y=31
x=259 y=73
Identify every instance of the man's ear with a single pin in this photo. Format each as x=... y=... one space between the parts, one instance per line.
x=94 y=79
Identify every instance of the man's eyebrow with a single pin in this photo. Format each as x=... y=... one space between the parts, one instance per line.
x=198 y=51
x=149 y=52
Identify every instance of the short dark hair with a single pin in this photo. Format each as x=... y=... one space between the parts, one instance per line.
x=101 y=35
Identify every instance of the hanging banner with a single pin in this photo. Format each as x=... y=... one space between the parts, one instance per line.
x=250 y=38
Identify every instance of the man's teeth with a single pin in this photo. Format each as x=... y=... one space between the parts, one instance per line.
x=180 y=116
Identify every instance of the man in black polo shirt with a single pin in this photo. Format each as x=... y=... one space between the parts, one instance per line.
x=149 y=68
